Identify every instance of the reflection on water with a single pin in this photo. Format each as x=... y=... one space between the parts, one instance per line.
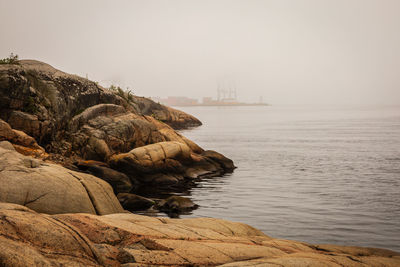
x=320 y=175
x=214 y=185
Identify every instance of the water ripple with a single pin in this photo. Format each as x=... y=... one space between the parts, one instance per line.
x=326 y=175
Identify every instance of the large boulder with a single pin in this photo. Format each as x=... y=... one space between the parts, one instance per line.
x=93 y=112
x=28 y=238
x=163 y=163
x=105 y=129
x=50 y=188
x=173 y=117
x=152 y=158
x=168 y=163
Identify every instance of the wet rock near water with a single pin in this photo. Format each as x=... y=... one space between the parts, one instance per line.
x=224 y=162
x=166 y=163
x=119 y=181
x=134 y=202
x=175 y=205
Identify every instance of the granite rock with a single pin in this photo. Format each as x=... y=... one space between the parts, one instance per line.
x=28 y=238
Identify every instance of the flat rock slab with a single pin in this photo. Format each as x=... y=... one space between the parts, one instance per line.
x=28 y=238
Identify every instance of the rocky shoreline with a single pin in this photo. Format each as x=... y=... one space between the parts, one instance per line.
x=73 y=158
x=126 y=140
x=28 y=238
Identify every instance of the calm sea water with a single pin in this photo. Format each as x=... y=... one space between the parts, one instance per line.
x=314 y=174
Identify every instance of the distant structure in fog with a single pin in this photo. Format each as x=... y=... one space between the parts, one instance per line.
x=224 y=98
x=228 y=101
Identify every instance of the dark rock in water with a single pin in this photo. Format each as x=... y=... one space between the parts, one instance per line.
x=167 y=179
x=225 y=163
x=176 y=204
x=119 y=181
x=134 y=202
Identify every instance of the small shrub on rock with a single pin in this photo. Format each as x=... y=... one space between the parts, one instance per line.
x=127 y=96
x=12 y=59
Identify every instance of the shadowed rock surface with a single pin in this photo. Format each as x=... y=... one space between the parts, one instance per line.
x=134 y=202
x=119 y=181
x=28 y=238
x=176 y=204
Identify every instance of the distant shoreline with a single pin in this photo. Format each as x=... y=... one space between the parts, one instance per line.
x=223 y=105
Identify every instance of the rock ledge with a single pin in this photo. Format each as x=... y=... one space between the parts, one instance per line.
x=28 y=238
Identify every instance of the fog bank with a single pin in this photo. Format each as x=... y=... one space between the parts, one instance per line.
x=288 y=52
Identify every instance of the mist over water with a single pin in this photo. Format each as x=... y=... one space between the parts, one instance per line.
x=316 y=174
x=287 y=51
x=323 y=174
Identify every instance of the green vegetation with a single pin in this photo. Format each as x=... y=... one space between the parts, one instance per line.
x=126 y=95
x=30 y=106
x=155 y=117
x=12 y=59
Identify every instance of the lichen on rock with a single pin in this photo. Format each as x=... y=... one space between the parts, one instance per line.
x=28 y=238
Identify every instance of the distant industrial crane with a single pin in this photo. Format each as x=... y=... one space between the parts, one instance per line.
x=224 y=95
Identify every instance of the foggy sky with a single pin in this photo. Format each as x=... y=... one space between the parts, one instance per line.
x=289 y=52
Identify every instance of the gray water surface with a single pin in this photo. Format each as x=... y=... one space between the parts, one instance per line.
x=314 y=174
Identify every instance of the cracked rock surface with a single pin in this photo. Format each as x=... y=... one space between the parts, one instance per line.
x=51 y=188
x=28 y=238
